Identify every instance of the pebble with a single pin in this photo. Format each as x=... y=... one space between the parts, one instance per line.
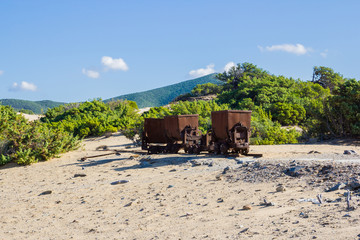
x=350 y=152
x=46 y=193
x=294 y=171
x=336 y=187
x=128 y=204
x=314 y=152
x=303 y=215
x=281 y=188
x=247 y=207
x=195 y=163
x=227 y=169
x=80 y=175
x=119 y=182
x=145 y=164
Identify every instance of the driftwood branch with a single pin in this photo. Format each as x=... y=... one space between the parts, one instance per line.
x=319 y=197
x=348 y=198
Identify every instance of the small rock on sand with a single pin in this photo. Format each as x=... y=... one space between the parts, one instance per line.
x=119 y=182
x=46 y=193
x=280 y=188
x=79 y=175
x=247 y=207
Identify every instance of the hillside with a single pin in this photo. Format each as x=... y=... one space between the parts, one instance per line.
x=151 y=98
x=35 y=106
x=164 y=95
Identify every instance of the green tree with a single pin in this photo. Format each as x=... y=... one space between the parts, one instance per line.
x=240 y=73
x=326 y=77
x=343 y=110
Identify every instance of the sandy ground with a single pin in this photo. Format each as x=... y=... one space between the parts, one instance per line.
x=31 y=117
x=175 y=196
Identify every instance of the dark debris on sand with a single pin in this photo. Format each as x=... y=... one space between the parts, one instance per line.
x=324 y=174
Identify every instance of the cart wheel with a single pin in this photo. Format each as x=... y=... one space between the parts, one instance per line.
x=191 y=150
x=244 y=151
x=174 y=149
x=223 y=149
x=217 y=149
x=196 y=149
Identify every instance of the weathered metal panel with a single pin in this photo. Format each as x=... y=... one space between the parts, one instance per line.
x=154 y=129
x=223 y=121
x=174 y=125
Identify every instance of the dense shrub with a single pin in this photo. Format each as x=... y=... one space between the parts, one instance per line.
x=265 y=131
x=92 y=118
x=343 y=110
x=288 y=114
x=200 y=90
x=27 y=142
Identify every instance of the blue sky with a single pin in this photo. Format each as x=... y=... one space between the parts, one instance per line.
x=74 y=50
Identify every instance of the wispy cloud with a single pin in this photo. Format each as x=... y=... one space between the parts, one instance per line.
x=297 y=49
x=1 y=72
x=23 y=86
x=90 y=73
x=228 y=66
x=324 y=53
x=114 y=64
x=202 y=71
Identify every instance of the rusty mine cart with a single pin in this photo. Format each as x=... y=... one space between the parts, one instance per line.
x=172 y=133
x=230 y=132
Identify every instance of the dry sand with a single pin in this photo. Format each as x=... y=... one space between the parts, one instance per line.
x=31 y=117
x=175 y=196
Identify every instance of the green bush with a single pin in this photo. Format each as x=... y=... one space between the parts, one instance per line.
x=266 y=132
x=343 y=110
x=28 y=142
x=288 y=114
x=93 y=118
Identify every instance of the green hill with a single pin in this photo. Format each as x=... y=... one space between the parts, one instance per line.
x=35 y=106
x=151 y=98
x=164 y=95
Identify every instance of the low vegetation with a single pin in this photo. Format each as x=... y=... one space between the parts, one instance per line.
x=27 y=142
x=328 y=106
x=92 y=118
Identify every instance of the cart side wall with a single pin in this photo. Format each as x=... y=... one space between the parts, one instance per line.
x=174 y=125
x=154 y=130
x=223 y=121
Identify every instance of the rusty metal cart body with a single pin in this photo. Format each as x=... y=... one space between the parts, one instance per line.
x=183 y=131
x=153 y=138
x=230 y=131
x=171 y=134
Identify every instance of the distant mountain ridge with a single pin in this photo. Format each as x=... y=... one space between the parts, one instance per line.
x=164 y=95
x=151 y=98
x=37 y=107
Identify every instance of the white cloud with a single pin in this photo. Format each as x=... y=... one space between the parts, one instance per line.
x=228 y=66
x=202 y=71
x=1 y=72
x=324 y=53
x=24 y=86
x=90 y=73
x=297 y=49
x=115 y=64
